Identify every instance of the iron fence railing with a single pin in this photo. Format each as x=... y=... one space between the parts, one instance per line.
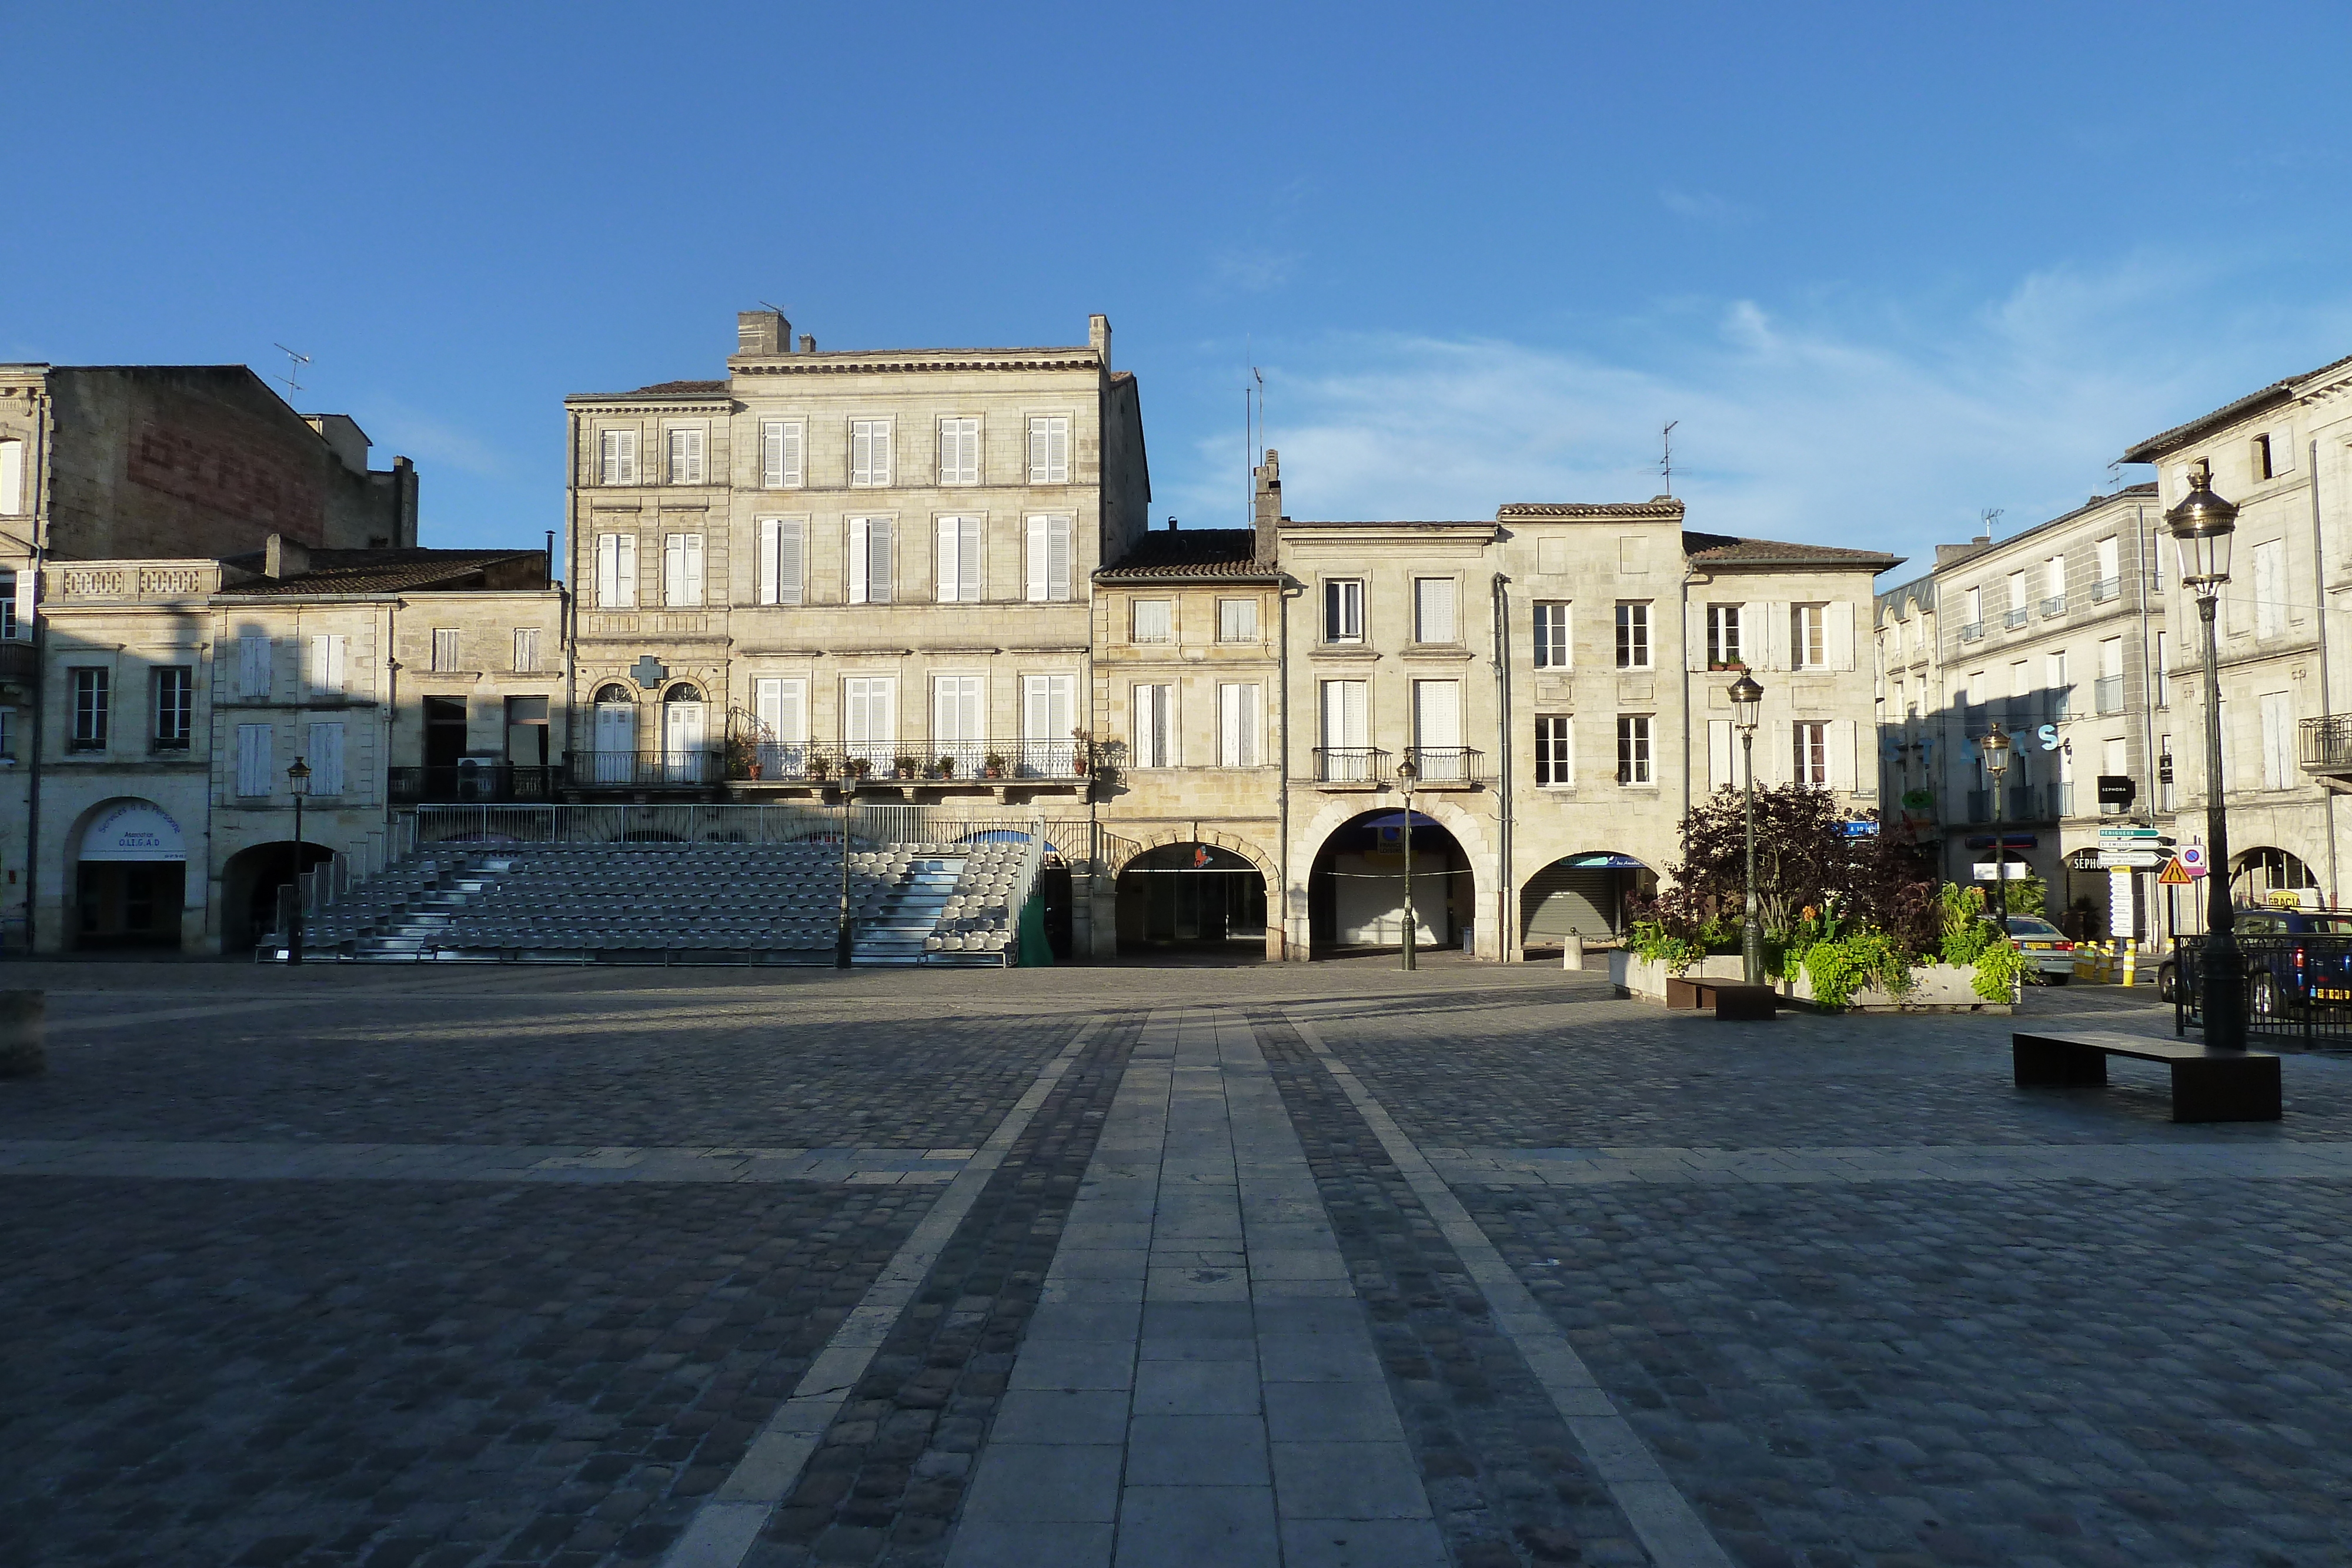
x=2298 y=987
x=2325 y=744
x=2014 y=617
x=1973 y=631
x=1351 y=765
x=2053 y=606
x=468 y=781
x=1447 y=764
x=643 y=770
x=931 y=761
x=2109 y=695
x=2107 y=588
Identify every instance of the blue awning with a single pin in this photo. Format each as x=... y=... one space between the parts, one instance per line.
x=1605 y=861
x=1396 y=820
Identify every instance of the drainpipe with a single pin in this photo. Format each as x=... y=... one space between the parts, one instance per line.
x=1284 y=592
x=2319 y=572
x=42 y=432
x=1505 y=892
x=2147 y=703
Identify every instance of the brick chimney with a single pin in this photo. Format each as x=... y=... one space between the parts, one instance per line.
x=762 y=332
x=1268 y=511
x=282 y=556
x=1098 y=336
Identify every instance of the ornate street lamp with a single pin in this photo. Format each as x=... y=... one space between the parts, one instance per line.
x=297 y=781
x=1747 y=704
x=2201 y=526
x=1995 y=748
x=1407 y=776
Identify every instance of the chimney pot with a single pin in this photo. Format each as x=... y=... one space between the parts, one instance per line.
x=808 y=344
x=762 y=332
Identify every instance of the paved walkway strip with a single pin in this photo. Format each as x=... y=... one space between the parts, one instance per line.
x=2115 y=1163
x=1669 y=1527
x=256 y=1161
x=725 y=1527
x=1199 y=1384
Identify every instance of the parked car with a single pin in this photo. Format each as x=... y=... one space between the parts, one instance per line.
x=2046 y=949
x=2278 y=977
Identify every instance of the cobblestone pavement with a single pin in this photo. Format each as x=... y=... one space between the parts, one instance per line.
x=522 y=1268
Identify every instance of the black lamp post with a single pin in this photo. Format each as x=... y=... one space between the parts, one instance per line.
x=2201 y=526
x=1407 y=776
x=297 y=781
x=1995 y=746
x=1746 y=703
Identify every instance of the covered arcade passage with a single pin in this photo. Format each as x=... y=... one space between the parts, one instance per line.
x=1355 y=891
x=1190 y=896
x=130 y=877
x=1581 y=895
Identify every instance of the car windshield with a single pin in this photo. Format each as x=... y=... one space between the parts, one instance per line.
x=2030 y=926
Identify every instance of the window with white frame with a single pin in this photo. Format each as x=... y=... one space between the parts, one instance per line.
x=1049 y=449
x=1343 y=610
x=1727 y=649
x=870 y=576
x=1809 y=636
x=959 y=719
x=1437 y=746
x=1154 y=620
x=869 y=723
x=175 y=703
x=2161 y=673
x=620 y=456
x=1555 y=750
x=445 y=648
x=1554 y=651
x=869 y=452
x=959 y=452
x=325 y=758
x=783 y=443
x=327 y=656
x=780 y=707
x=12 y=478
x=1346 y=756
x=616 y=571
x=13 y=620
x=1046 y=556
x=2279 y=767
x=1634 y=634
x=1236 y=620
x=91 y=709
x=682 y=569
x=7 y=733
x=1633 y=748
x=686 y=456
x=2269 y=587
x=1432 y=611
x=1154 y=741
x=1048 y=714
x=1813 y=752
x=255 y=759
x=526 y=650
x=957 y=576
x=253 y=668
x=1241 y=720
x=783 y=549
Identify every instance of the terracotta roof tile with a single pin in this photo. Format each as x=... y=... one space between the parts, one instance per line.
x=1220 y=553
x=360 y=572
x=1729 y=550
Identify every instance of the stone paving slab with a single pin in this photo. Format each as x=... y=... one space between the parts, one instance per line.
x=253 y=1161
x=2122 y=1163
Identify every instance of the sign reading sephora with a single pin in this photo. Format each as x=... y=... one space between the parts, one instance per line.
x=133 y=831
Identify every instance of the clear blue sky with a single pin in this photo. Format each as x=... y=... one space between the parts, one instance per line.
x=1888 y=266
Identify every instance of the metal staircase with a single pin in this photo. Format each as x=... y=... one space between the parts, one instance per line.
x=910 y=912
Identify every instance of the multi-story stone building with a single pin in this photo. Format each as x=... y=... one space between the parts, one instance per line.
x=2058 y=635
x=138 y=477
x=2284 y=454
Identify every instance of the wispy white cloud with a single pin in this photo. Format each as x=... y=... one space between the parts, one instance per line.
x=1249 y=269
x=1703 y=206
x=1860 y=426
x=429 y=438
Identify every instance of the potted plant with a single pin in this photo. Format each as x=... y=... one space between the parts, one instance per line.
x=857 y=767
x=1082 y=756
x=992 y=765
x=742 y=758
x=906 y=767
x=819 y=765
x=945 y=766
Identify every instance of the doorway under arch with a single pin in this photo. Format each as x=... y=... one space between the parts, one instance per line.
x=1354 y=888
x=1581 y=894
x=2265 y=876
x=130 y=877
x=250 y=881
x=1190 y=896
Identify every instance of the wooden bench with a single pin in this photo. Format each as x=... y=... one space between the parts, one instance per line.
x=1730 y=998
x=2208 y=1085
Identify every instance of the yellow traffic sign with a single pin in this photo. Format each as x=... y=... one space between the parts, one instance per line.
x=2174 y=875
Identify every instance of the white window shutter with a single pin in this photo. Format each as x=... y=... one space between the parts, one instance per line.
x=1839 y=641
x=771 y=550
x=792 y=557
x=1722 y=755
x=1058 y=558
x=12 y=478
x=326 y=759
x=26 y=580
x=860 y=544
x=879 y=576
x=943 y=570
x=694 y=573
x=968 y=560
x=1694 y=637
x=1776 y=635
x=1035 y=559
x=1036 y=452
x=253 y=668
x=1057 y=455
x=627 y=560
x=318 y=681
x=768 y=709
x=853 y=715
x=882 y=454
x=1842 y=754
x=254 y=769
x=771 y=455
x=1147 y=726
x=1230 y=744
x=608 y=570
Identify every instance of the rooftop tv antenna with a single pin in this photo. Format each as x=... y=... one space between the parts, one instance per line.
x=294 y=366
x=1666 y=456
x=1989 y=517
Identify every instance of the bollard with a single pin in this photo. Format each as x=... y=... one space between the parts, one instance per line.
x=1571 y=956
x=21 y=1017
x=2129 y=973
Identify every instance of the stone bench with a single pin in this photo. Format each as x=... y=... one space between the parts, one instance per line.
x=1730 y=998
x=2208 y=1085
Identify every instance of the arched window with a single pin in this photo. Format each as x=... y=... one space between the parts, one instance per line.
x=614 y=693
x=683 y=692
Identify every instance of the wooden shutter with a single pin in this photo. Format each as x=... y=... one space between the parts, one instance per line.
x=1058 y=451
x=1843 y=760
x=780 y=453
x=27 y=580
x=12 y=478
x=1722 y=755
x=253 y=668
x=253 y=758
x=326 y=759
x=1775 y=649
x=1151 y=727
x=1437 y=714
x=879 y=576
x=1694 y=636
x=764 y=588
x=1037 y=559
x=860 y=546
x=327 y=654
x=608 y=571
x=694 y=572
x=969 y=556
x=1839 y=634
x=1232 y=741
x=943 y=572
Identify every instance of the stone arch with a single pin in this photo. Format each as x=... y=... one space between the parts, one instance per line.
x=1233 y=841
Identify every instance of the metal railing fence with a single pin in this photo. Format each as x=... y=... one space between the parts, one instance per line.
x=2298 y=987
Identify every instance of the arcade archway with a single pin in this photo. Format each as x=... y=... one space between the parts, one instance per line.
x=1355 y=889
x=251 y=884
x=130 y=877
x=2268 y=876
x=1190 y=896
x=1583 y=896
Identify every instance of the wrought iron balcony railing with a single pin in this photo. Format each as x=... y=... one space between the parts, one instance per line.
x=1973 y=631
x=909 y=761
x=2014 y=619
x=1351 y=765
x=2055 y=605
x=2109 y=695
x=2107 y=588
x=1447 y=764
x=2325 y=744
x=488 y=783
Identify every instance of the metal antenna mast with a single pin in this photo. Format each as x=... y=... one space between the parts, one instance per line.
x=294 y=366
x=1667 y=457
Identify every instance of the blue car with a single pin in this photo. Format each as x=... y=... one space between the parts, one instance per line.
x=2278 y=976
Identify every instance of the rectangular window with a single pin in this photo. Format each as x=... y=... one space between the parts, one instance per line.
x=1346 y=757
x=2274 y=455
x=253 y=668
x=1812 y=759
x=869 y=725
x=2161 y=673
x=1809 y=636
x=957 y=578
x=1432 y=611
x=1240 y=719
x=175 y=704
x=1633 y=748
x=89 y=710
x=1047 y=554
x=2054 y=581
x=1155 y=726
x=1049 y=449
x=7 y=734
x=616 y=571
x=1048 y=712
x=526 y=650
x=2269 y=587
x=1633 y=637
x=780 y=709
x=682 y=569
x=1556 y=750
x=1553 y=649
x=445 y=648
x=325 y=758
x=781 y=442
x=1343 y=610
x=2108 y=563
x=2062 y=689
x=686 y=458
x=14 y=624
x=327 y=665
x=1236 y=620
x=2279 y=767
x=1438 y=753
x=12 y=478
x=1153 y=622
x=783 y=545
x=620 y=454
x=959 y=452
x=959 y=710
x=1726 y=650
x=870 y=577
x=869 y=452
x=2166 y=798
x=255 y=759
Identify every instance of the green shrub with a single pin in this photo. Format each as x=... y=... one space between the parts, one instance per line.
x=1998 y=968
x=1843 y=967
x=1650 y=942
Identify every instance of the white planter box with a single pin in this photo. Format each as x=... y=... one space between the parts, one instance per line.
x=1645 y=980
x=1935 y=987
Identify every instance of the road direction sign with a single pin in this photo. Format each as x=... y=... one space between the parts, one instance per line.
x=2130 y=860
x=2129 y=835
x=2175 y=875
